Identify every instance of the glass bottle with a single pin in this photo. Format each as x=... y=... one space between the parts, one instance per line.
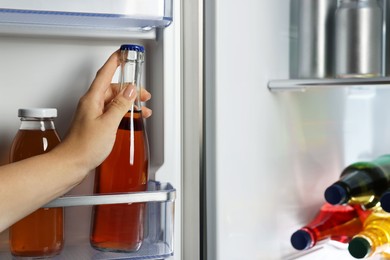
x=41 y=233
x=374 y=238
x=340 y=223
x=361 y=183
x=120 y=227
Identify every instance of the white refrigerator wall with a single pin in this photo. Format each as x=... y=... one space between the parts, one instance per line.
x=55 y=72
x=270 y=156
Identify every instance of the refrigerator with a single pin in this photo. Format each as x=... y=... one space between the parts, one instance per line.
x=51 y=52
x=242 y=152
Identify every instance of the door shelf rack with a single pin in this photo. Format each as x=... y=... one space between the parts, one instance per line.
x=158 y=243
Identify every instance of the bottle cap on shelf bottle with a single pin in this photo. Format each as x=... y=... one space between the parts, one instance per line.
x=301 y=240
x=359 y=247
x=37 y=112
x=336 y=194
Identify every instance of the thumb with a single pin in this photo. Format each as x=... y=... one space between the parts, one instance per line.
x=119 y=106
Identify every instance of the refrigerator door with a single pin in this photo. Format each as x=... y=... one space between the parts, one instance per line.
x=271 y=155
x=54 y=68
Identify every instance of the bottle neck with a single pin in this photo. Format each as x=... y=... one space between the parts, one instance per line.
x=132 y=121
x=365 y=185
x=136 y=106
x=130 y=73
x=42 y=124
x=376 y=239
x=377 y=232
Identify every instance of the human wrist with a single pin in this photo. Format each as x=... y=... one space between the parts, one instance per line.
x=73 y=159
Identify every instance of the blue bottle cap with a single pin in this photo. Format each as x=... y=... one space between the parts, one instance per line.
x=359 y=247
x=385 y=201
x=336 y=194
x=132 y=47
x=301 y=240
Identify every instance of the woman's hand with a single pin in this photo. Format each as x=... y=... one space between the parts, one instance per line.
x=30 y=183
x=100 y=110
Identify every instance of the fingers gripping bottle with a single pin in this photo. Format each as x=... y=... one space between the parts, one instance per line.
x=336 y=222
x=120 y=227
x=41 y=233
x=361 y=183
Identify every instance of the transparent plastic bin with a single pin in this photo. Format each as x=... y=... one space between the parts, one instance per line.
x=158 y=243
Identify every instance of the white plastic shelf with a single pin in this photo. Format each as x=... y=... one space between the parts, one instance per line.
x=308 y=84
x=158 y=244
x=99 y=18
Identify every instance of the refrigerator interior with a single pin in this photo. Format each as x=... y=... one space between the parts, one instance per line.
x=271 y=155
x=56 y=69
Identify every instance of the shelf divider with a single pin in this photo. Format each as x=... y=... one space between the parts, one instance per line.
x=165 y=194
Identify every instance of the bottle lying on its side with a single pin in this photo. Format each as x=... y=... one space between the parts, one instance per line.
x=336 y=222
x=361 y=183
x=374 y=238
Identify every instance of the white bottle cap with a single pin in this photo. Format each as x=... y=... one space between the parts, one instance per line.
x=37 y=112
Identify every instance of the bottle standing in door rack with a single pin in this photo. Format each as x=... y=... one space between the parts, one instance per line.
x=41 y=233
x=120 y=227
x=361 y=183
x=340 y=223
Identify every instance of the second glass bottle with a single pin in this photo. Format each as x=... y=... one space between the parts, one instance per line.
x=40 y=234
x=120 y=227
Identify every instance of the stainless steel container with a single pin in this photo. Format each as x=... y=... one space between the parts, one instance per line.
x=315 y=27
x=386 y=40
x=358 y=36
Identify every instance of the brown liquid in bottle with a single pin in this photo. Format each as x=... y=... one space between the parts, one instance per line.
x=40 y=233
x=120 y=227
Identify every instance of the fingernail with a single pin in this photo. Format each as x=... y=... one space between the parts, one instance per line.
x=148 y=96
x=148 y=113
x=130 y=92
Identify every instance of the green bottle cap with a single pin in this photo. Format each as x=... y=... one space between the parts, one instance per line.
x=359 y=247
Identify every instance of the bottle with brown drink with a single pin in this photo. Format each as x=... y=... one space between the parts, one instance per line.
x=41 y=233
x=120 y=227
